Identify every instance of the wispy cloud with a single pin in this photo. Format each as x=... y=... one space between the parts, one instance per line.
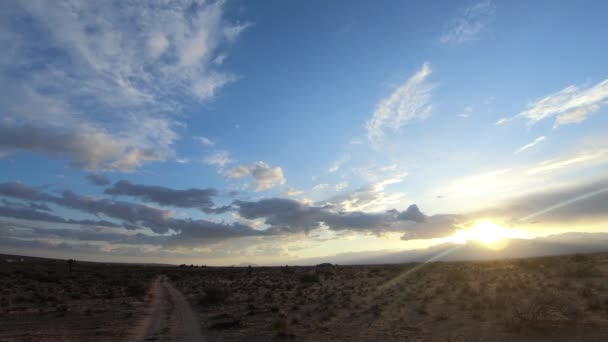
x=570 y=105
x=408 y=102
x=205 y=141
x=470 y=25
x=117 y=78
x=336 y=165
x=466 y=112
x=219 y=158
x=530 y=145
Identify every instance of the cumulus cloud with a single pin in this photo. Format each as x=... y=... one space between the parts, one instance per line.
x=470 y=25
x=117 y=79
x=97 y=179
x=265 y=176
x=408 y=102
x=571 y=105
x=531 y=144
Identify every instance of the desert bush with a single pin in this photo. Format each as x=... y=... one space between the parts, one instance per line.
x=281 y=327
x=213 y=296
x=136 y=290
x=309 y=278
x=541 y=310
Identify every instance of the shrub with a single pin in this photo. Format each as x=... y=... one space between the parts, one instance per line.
x=136 y=290
x=213 y=296
x=309 y=278
x=281 y=326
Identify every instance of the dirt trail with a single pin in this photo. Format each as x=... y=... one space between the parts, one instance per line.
x=170 y=318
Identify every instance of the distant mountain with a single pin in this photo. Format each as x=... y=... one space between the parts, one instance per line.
x=567 y=243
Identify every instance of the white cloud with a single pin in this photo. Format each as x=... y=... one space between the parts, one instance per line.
x=530 y=145
x=219 y=158
x=577 y=115
x=205 y=141
x=409 y=101
x=372 y=197
x=341 y=186
x=580 y=159
x=121 y=69
x=501 y=121
x=231 y=33
x=491 y=187
x=468 y=27
x=336 y=165
x=570 y=105
x=219 y=60
x=321 y=186
x=157 y=44
x=265 y=176
x=292 y=192
x=466 y=112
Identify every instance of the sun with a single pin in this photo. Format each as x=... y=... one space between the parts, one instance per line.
x=486 y=233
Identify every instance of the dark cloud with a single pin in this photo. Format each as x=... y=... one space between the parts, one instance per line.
x=97 y=179
x=283 y=216
x=286 y=215
x=21 y=191
x=25 y=213
x=188 y=198
x=131 y=215
x=586 y=201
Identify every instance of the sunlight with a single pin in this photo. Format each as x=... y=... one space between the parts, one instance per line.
x=488 y=233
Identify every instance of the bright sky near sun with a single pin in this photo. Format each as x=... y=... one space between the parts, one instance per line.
x=273 y=131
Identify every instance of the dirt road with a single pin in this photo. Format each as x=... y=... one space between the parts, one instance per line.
x=170 y=318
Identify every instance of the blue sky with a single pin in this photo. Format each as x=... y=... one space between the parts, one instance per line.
x=304 y=129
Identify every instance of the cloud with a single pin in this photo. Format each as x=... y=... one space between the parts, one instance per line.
x=291 y=216
x=570 y=105
x=336 y=165
x=501 y=121
x=97 y=179
x=24 y=213
x=470 y=25
x=563 y=204
x=188 y=198
x=370 y=197
x=132 y=215
x=580 y=159
x=86 y=146
x=265 y=176
x=205 y=141
x=530 y=145
x=493 y=186
x=408 y=102
x=111 y=80
x=466 y=112
x=292 y=192
x=219 y=158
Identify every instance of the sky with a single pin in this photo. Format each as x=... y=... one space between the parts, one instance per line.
x=228 y=132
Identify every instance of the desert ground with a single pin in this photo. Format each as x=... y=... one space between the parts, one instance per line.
x=562 y=298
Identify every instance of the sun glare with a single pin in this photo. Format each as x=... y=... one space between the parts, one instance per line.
x=487 y=233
